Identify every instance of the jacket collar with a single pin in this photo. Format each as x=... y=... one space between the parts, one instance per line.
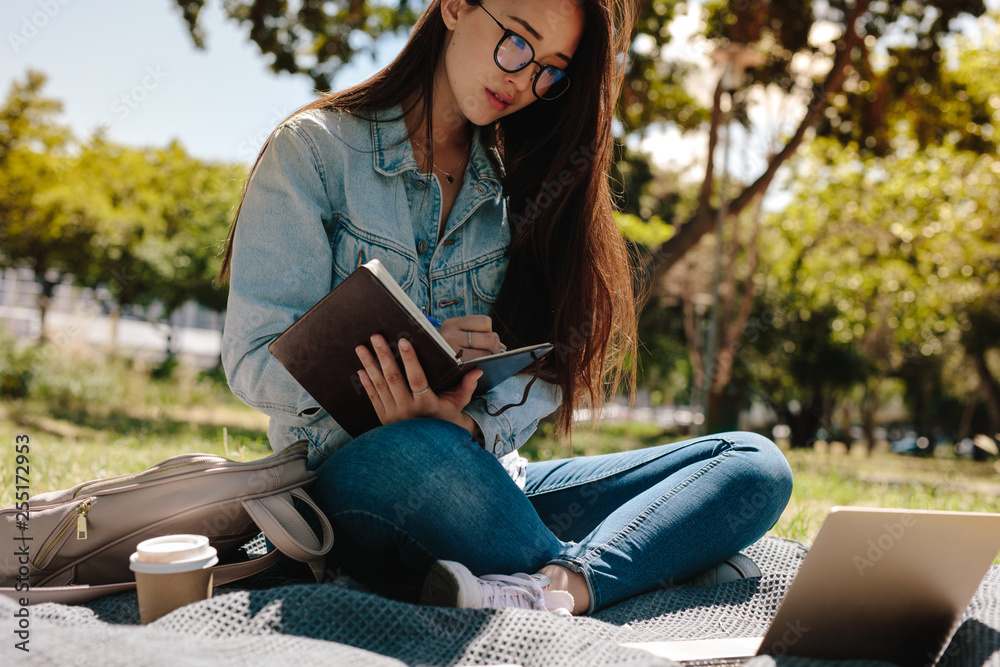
x=393 y=154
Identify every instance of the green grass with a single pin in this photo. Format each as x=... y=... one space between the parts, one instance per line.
x=89 y=418
x=881 y=479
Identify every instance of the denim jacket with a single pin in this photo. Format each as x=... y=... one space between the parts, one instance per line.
x=332 y=191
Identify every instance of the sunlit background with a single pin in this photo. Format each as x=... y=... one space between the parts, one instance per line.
x=854 y=298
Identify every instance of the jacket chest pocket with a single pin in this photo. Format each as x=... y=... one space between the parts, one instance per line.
x=485 y=282
x=353 y=247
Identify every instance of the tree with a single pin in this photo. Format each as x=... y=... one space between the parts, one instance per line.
x=317 y=39
x=43 y=221
x=141 y=225
x=783 y=33
x=160 y=215
x=898 y=253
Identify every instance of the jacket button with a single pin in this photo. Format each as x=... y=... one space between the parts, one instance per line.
x=421 y=184
x=422 y=247
x=480 y=189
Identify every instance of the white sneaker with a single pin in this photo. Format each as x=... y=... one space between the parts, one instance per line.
x=451 y=584
x=733 y=568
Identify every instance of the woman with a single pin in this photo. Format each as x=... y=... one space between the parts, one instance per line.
x=474 y=167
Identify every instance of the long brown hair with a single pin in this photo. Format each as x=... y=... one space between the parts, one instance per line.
x=569 y=277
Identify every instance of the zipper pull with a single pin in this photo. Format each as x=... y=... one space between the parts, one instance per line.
x=81 y=520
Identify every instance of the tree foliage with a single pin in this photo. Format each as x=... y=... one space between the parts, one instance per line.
x=42 y=225
x=798 y=63
x=897 y=256
x=142 y=226
x=316 y=38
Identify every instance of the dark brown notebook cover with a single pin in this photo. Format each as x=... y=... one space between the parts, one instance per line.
x=318 y=349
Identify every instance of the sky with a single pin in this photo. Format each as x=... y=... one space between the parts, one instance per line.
x=132 y=64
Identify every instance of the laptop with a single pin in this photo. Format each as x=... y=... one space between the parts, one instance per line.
x=877 y=584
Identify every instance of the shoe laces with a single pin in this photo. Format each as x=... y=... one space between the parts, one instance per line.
x=520 y=591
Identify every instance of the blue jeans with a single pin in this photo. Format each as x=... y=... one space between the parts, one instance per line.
x=405 y=494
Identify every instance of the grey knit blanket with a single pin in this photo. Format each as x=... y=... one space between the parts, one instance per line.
x=341 y=624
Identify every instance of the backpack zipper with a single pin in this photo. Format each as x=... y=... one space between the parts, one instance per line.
x=81 y=521
x=152 y=471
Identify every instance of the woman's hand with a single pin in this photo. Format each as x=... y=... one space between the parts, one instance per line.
x=472 y=336
x=396 y=395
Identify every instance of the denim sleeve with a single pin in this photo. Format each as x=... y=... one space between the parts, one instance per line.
x=281 y=266
x=510 y=429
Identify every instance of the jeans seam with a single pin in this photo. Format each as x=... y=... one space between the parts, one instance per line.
x=610 y=473
x=634 y=523
x=616 y=471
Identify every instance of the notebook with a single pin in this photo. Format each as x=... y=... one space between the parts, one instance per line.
x=877 y=584
x=318 y=348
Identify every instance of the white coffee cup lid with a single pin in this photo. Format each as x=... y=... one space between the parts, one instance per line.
x=170 y=554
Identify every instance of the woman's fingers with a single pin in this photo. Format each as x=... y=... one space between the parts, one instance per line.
x=373 y=394
x=398 y=394
x=394 y=379
x=461 y=395
x=374 y=382
x=415 y=377
x=482 y=344
x=481 y=323
x=472 y=335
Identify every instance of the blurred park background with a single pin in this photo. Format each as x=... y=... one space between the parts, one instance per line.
x=811 y=188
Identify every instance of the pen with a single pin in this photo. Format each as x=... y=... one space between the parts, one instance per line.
x=437 y=325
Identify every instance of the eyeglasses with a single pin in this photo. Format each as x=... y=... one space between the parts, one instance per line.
x=514 y=53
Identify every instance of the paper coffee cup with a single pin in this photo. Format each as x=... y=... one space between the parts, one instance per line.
x=170 y=572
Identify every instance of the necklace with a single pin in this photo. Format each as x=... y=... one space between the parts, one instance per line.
x=447 y=174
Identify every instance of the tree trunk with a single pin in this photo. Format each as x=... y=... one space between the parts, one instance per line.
x=722 y=410
x=713 y=411
x=869 y=405
x=805 y=424
x=44 y=301
x=702 y=221
x=114 y=318
x=965 y=423
x=990 y=390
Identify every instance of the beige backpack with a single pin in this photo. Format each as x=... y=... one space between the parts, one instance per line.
x=74 y=545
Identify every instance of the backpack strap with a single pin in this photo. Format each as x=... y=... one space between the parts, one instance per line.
x=285 y=527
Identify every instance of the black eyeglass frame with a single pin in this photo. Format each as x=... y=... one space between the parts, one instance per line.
x=507 y=32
